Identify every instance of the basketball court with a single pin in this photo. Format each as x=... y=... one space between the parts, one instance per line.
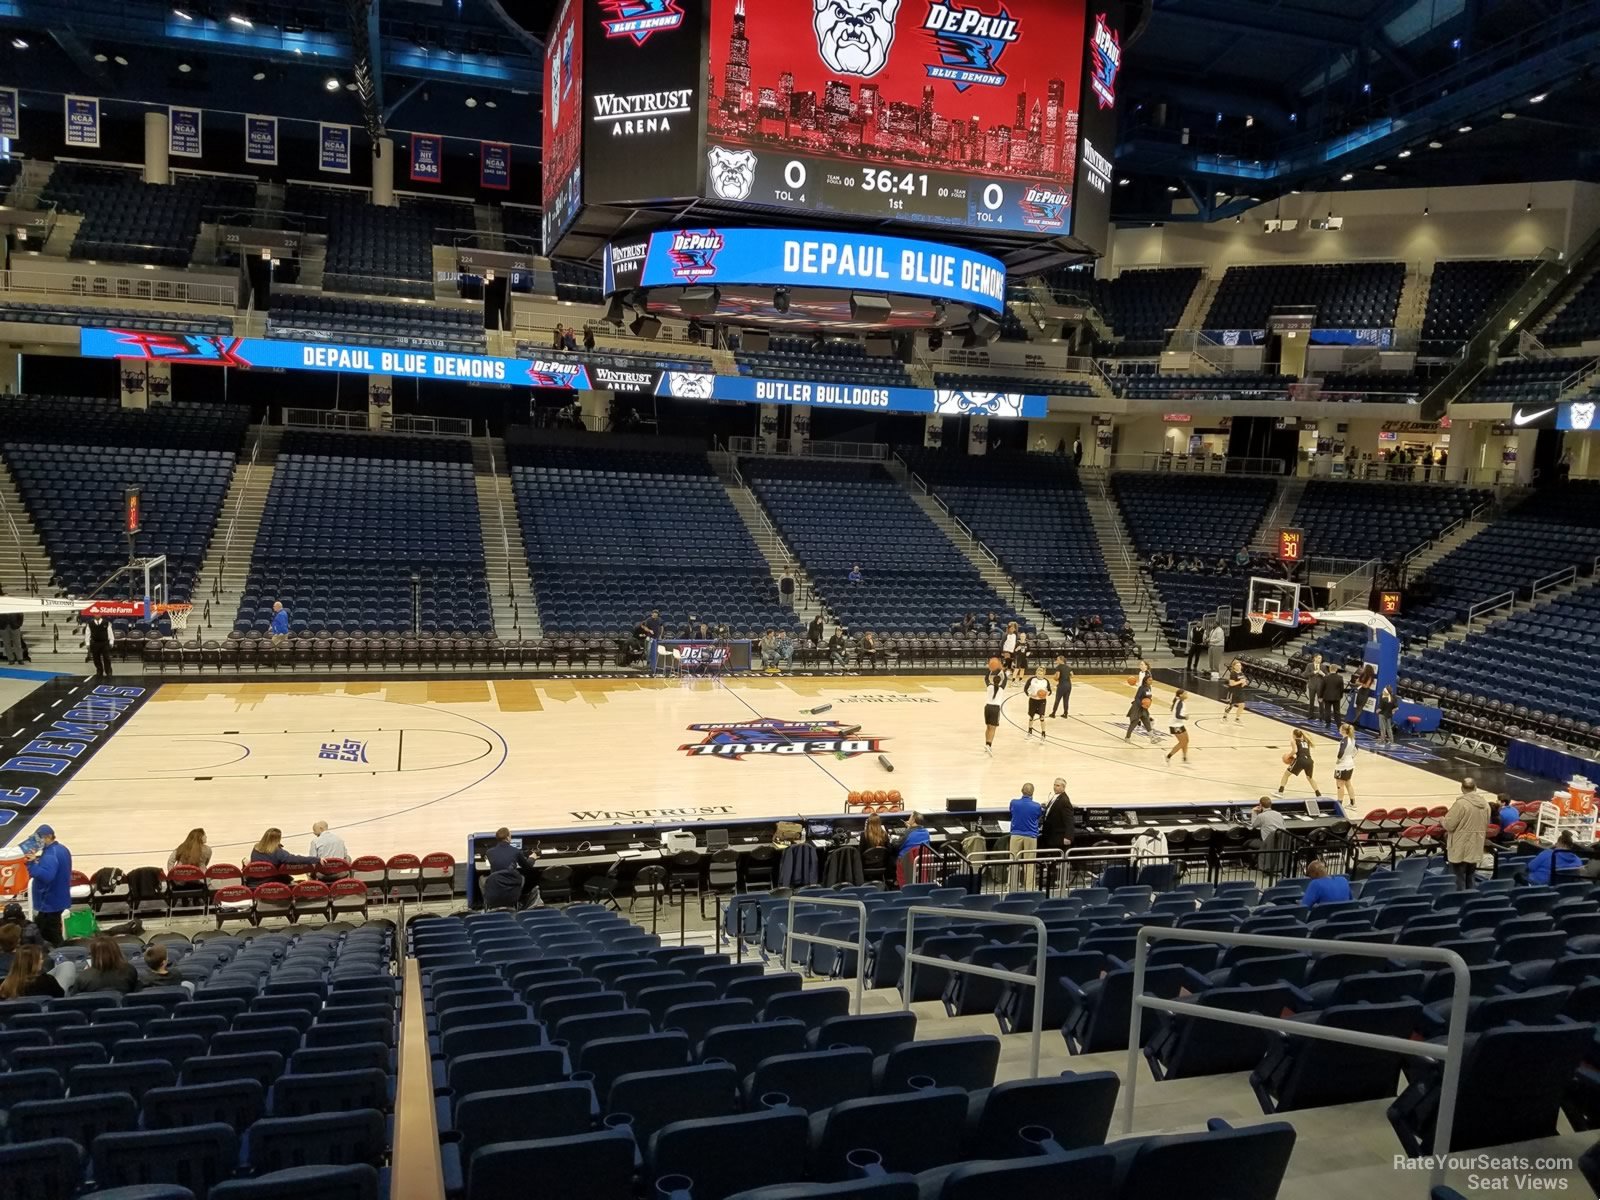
x=419 y=765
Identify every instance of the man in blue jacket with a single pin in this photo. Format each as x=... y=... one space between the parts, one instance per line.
x=1560 y=857
x=51 y=870
x=1324 y=888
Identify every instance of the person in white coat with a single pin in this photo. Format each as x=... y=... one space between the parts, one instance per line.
x=1215 y=637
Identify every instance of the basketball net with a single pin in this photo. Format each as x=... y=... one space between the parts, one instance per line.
x=1258 y=622
x=178 y=614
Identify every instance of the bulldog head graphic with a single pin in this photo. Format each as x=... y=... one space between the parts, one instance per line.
x=733 y=172
x=854 y=36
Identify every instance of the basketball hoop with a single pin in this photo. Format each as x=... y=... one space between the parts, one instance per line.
x=1258 y=622
x=178 y=614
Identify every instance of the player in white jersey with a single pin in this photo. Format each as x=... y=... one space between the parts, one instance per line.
x=1038 y=692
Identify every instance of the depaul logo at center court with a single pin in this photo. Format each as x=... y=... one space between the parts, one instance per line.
x=765 y=735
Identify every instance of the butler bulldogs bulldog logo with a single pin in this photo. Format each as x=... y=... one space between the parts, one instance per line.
x=970 y=44
x=639 y=19
x=741 y=739
x=694 y=254
x=1043 y=208
x=1107 y=62
x=733 y=172
x=1582 y=415
x=689 y=385
x=977 y=404
x=854 y=36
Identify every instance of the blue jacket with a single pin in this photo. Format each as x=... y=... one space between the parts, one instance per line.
x=1330 y=889
x=280 y=621
x=914 y=838
x=1507 y=816
x=1548 y=861
x=52 y=879
x=1025 y=817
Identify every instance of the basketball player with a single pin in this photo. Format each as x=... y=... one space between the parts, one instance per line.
x=1178 y=725
x=1139 y=709
x=1019 y=661
x=1061 y=682
x=1038 y=691
x=1344 y=767
x=1235 y=684
x=1008 y=647
x=994 y=691
x=1299 y=763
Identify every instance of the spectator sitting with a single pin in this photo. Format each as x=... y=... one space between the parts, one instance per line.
x=27 y=976
x=27 y=931
x=1560 y=857
x=158 y=970
x=769 y=651
x=873 y=835
x=192 y=852
x=867 y=652
x=836 y=646
x=1507 y=815
x=855 y=573
x=270 y=849
x=814 y=631
x=786 y=649
x=327 y=845
x=10 y=939
x=1324 y=888
x=108 y=969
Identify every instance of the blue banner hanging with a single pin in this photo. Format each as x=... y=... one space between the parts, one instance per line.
x=183 y=132
x=333 y=143
x=427 y=158
x=495 y=158
x=260 y=140
x=83 y=122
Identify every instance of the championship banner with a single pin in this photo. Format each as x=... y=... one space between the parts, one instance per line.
x=769 y=428
x=333 y=148
x=494 y=169
x=260 y=140
x=133 y=385
x=799 y=430
x=933 y=432
x=158 y=383
x=83 y=122
x=183 y=132
x=8 y=113
x=380 y=401
x=978 y=435
x=427 y=158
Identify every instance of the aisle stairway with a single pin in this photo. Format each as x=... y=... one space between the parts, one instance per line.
x=781 y=560
x=226 y=566
x=511 y=594
x=1122 y=561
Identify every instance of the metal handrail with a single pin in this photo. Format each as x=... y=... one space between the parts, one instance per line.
x=28 y=578
x=233 y=519
x=1578 y=376
x=1449 y=1053
x=859 y=945
x=505 y=540
x=1035 y=977
x=1492 y=604
x=1553 y=580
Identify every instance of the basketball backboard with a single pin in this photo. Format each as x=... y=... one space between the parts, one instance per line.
x=1274 y=602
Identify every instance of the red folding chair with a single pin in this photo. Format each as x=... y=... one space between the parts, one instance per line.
x=437 y=875
x=274 y=900
x=187 y=886
x=221 y=875
x=348 y=896
x=333 y=868
x=257 y=873
x=312 y=897
x=233 y=903
x=403 y=872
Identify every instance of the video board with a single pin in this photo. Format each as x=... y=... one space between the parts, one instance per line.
x=562 y=190
x=916 y=110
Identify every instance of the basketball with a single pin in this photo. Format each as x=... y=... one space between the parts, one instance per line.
x=1145 y=703
x=994 y=664
x=855 y=798
x=895 y=797
x=1288 y=759
x=1133 y=681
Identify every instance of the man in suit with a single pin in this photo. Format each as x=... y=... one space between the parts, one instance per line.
x=1058 y=826
x=1332 y=696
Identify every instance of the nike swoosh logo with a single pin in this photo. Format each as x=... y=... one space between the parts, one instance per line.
x=1523 y=418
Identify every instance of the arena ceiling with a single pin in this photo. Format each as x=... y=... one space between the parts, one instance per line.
x=1225 y=100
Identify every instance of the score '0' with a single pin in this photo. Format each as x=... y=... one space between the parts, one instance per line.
x=993 y=196
x=794 y=173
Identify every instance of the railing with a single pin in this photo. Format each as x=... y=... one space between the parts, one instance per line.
x=1552 y=581
x=1219 y=464
x=95 y=283
x=1449 y=1054
x=1036 y=977
x=874 y=451
x=859 y=945
x=233 y=518
x=30 y=581
x=505 y=542
x=1494 y=604
x=1578 y=376
x=416 y=1147
x=357 y=421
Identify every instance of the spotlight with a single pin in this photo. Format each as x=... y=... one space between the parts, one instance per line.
x=614 y=310
x=645 y=326
x=936 y=341
x=490 y=104
x=181 y=15
x=19 y=43
x=259 y=76
x=1380 y=166
x=1464 y=129
x=184 y=68
x=332 y=84
x=241 y=22
x=1404 y=154
x=1508 y=116
x=1435 y=145
x=1172 y=187
x=780 y=300
x=1124 y=181
x=1539 y=99
x=119 y=60
x=101 y=58
x=472 y=102
x=1346 y=177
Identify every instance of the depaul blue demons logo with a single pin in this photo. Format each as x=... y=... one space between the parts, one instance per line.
x=694 y=253
x=1045 y=208
x=1107 y=51
x=970 y=43
x=765 y=735
x=638 y=19
x=556 y=373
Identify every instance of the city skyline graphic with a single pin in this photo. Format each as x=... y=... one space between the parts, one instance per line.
x=769 y=88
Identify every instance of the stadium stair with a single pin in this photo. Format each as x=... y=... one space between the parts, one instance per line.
x=781 y=559
x=1440 y=546
x=1280 y=514
x=226 y=565
x=992 y=572
x=24 y=554
x=1122 y=562
x=511 y=594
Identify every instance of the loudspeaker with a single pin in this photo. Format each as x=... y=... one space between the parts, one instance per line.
x=879 y=347
x=755 y=341
x=867 y=307
x=699 y=301
x=983 y=326
x=645 y=326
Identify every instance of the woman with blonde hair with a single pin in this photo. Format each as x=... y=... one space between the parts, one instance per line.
x=191 y=852
x=27 y=976
x=270 y=849
x=873 y=835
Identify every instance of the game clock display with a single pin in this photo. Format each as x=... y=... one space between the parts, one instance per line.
x=929 y=111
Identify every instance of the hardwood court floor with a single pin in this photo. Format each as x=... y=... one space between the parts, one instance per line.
x=418 y=765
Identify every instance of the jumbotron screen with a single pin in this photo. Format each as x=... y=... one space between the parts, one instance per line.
x=926 y=111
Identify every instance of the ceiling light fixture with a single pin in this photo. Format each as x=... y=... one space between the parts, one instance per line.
x=490 y=104
x=332 y=84
x=1347 y=177
x=185 y=68
x=241 y=22
x=1435 y=145
x=1404 y=154
x=181 y=15
x=259 y=76
x=101 y=58
x=1124 y=181
x=472 y=102
x=1539 y=99
x=1508 y=116
x=1464 y=129
x=19 y=43
x=1380 y=166
x=119 y=60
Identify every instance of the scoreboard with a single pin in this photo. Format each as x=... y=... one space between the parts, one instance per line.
x=983 y=115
